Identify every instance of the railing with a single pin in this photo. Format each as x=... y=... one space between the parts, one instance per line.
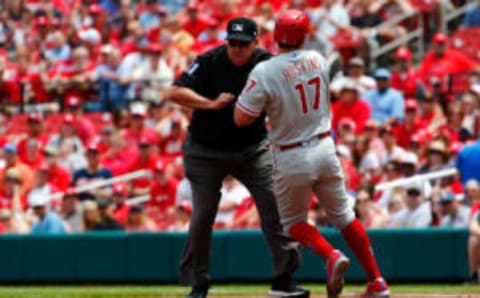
x=412 y=35
x=416 y=178
x=454 y=14
x=107 y=182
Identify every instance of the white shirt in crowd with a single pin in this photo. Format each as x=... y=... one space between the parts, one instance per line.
x=235 y=194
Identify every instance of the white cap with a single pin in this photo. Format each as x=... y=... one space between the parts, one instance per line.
x=90 y=35
x=409 y=157
x=138 y=109
x=36 y=199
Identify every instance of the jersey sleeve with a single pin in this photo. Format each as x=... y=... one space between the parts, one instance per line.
x=254 y=96
x=194 y=76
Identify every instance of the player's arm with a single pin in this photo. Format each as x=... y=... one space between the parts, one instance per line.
x=251 y=101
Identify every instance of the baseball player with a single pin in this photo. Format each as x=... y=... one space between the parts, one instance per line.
x=292 y=89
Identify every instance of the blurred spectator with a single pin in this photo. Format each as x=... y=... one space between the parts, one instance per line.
x=472 y=194
x=350 y=172
x=441 y=61
x=59 y=49
x=119 y=197
x=472 y=17
x=233 y=193
x=211 y=38
x=84 y=127
x=392 y=151
x=395 y=206
x=91 y=214
x=367 y=213
x=154 y=75
x=411 y=124
x=471 y=114
x=171 y=146
x=150 y=18
x=454 y=213
x=386 y=103
x=35 y=132
x=11 y=196
x=47 y=221
x=418 y=213
x=9 y=90
x=138 y=221
x=145 y=160
x=468 y=162
x=432 y=115
x=57 y=176
x=355 y=71
x=94 y=172
x=71 y=211
x=67 y=133
x=33 y=156
x=183 y=214
x=331 y=16
x=405 y=77
x=161 y=206
x=138 y=130
x=10 y=154
x=366 y=160
x=114 y=81
x=13 y=222
x=350 y=106
x=107 y=220
x=41 y=187
x=184 y=192
x=195 y=23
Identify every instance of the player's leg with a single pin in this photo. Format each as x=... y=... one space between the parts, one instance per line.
x=474 y=257
x=339 y=206
x=254 y=170
x=205 y=177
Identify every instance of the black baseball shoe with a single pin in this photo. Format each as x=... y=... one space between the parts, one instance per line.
x=198 y=292
x=286 y=287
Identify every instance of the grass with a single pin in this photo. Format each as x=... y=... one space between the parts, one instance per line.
x=139 y=291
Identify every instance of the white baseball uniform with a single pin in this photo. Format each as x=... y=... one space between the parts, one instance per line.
x=292 y=89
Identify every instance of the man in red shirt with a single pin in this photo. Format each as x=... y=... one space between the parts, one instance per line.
x=195 y=22
x=442 y=61
x=56 y=175
x=145 y=160
x=351 y=106
x=405 y=78
x=119 y=196
x=161 y=206
x=10 y=193
x=9 y=90
x=138 y=129
x=411 y=124
x=35 y=132
x=84 y=126
x=171 y=145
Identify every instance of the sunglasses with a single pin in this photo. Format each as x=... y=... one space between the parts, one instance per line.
x=413 y=193
x=238 y=43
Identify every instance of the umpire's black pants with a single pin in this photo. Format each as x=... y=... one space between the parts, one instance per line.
x=206 y=168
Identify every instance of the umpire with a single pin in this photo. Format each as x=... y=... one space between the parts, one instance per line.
x=215 y=148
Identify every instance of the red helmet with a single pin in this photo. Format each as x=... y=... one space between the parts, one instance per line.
x=291 y=28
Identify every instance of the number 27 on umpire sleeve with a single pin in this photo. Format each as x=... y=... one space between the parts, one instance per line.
x=303 y=97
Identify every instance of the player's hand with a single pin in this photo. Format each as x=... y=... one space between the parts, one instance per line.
x=222 y=100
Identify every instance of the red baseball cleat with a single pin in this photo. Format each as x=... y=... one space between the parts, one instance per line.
x=337 y=263
x=377 y=289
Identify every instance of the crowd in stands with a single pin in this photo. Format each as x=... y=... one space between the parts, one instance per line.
x=81 y=90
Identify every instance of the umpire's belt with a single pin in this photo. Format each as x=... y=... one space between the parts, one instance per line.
x=301 y=144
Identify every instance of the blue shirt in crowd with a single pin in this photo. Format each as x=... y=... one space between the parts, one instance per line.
x=52 y=223
x=472 y=18
x=385 y=105
x=83 y=174
x=468 y=162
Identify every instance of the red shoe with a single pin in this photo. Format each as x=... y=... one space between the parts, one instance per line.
x=337 y=263
x=377 y=289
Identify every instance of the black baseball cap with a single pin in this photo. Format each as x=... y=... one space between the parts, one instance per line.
x=243 y=29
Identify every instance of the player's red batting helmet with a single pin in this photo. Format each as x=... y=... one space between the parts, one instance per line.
x=291 y=28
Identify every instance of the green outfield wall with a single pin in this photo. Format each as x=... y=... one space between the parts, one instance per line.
x=404 y=255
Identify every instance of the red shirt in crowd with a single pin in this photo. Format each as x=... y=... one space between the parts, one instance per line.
x=405 y=82
x=6 y=200
x=195 y=28
x=59 y=178
x=162 y=196
x=358 y=111
x=404 y=134
x=142 y=164
x=121 y=213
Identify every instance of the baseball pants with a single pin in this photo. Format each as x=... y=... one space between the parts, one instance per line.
x=206 y=168
x=313 y=167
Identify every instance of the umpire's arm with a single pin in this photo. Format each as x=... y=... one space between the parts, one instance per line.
x=188 y=98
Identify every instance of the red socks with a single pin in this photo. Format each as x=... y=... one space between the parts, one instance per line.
x=357 y=238
x=311 y=238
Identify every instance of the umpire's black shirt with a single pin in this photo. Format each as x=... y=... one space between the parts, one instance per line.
x=211 y=74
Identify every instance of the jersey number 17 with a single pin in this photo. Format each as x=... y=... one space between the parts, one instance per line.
x=300 y=87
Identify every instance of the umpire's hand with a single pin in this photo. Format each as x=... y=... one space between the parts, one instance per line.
x=221 y=101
